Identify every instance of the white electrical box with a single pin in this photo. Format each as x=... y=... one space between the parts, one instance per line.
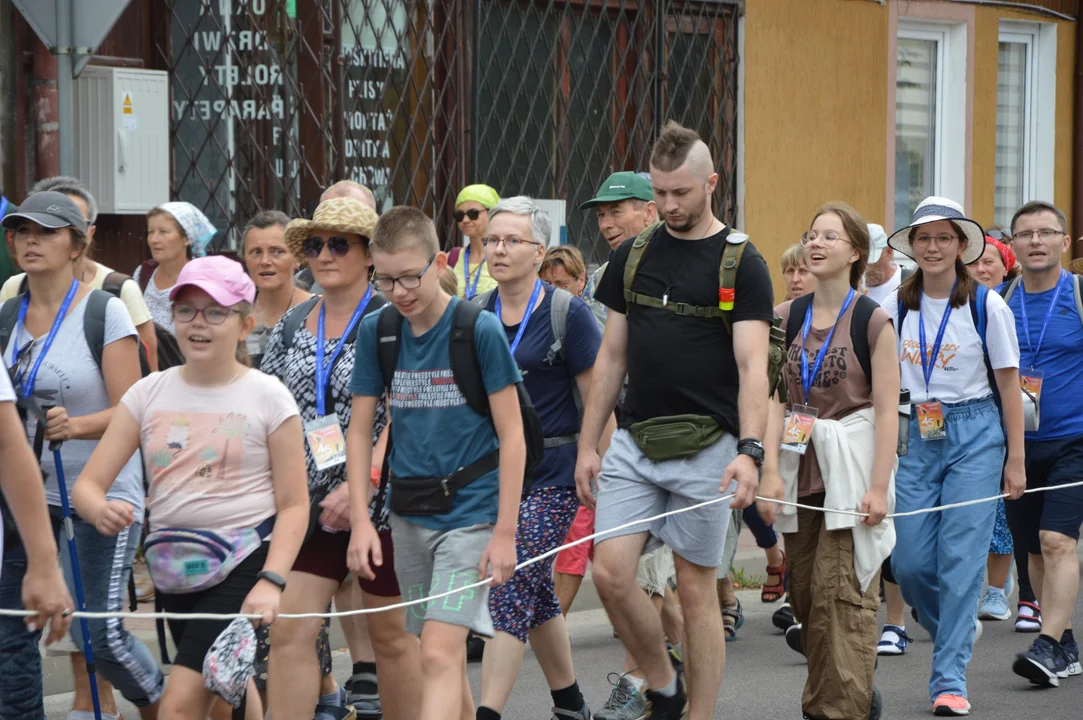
x=121 y=143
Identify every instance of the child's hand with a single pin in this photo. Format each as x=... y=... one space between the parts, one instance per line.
x=500 y=554
x=114 y=516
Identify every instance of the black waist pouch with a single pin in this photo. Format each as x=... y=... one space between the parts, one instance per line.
x=436 y=496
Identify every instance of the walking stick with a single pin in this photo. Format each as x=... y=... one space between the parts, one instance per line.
x=77 y=578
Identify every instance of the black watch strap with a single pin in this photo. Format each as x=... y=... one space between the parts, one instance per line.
x=273 y=578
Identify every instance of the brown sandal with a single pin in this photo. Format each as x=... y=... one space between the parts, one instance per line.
x=773 y=593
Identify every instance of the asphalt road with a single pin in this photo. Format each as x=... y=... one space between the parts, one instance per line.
x=764 y=677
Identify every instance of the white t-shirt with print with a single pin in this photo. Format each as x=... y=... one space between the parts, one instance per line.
x=959 y=373
x=7 y=394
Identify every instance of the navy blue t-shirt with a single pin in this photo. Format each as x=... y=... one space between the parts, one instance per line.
x=550 y=385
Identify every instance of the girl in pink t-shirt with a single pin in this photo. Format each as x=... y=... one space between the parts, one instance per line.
x=223 y=450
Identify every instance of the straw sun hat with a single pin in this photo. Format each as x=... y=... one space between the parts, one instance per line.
x=344 y=215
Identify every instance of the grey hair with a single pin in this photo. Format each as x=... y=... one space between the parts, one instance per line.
x=67 y=185
x=540 y=224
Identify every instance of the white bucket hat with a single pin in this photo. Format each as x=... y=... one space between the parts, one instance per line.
x=933 y=209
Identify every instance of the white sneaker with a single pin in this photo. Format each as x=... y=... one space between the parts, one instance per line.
x=977 y=630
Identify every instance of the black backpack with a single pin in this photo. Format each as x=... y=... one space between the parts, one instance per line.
x=169 y=354
x=466 y=370
x=864 y=307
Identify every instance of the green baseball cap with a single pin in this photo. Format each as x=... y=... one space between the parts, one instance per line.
x=622 y=186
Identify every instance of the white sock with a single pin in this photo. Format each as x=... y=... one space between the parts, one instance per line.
x=669 y=690
x=637 y=683
x=998 y=589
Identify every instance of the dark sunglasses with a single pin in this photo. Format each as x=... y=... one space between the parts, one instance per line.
x=338 y=246
x=472 y=214
x=998 y=235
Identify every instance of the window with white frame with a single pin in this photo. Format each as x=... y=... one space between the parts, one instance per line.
x=930 y=114
x=1026 y=105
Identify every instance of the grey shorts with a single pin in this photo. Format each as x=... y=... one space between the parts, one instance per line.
x=430 y=562
x=632 y=488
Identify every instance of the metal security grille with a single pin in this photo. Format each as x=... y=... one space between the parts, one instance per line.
x=273 y=100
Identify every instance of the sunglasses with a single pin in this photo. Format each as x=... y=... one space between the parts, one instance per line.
x=459 y=215
x=338 y=246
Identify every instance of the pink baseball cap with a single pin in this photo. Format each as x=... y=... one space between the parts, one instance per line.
x=223 y=279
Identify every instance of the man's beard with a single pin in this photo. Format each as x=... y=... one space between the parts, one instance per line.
x=693 y=219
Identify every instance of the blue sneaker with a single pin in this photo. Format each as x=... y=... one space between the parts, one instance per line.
x=1071 y=655
x=1043 y=664
x=994 y=606
x=893 y=641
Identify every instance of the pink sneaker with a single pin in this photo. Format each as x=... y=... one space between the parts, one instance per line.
x=951 y=705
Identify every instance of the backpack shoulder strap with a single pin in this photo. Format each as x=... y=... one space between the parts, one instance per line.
x=979 y=314
x=463 y=354
x=635 y=254
x=114 y=283
x=864 y=307
x=9 y=314
x=1079 y=295
x=900 y=316
x=24 y=284
x=295 y=318
x=558 y=319
x=388 y=337
x=798 y=308
x=482 y=299
x=1006 y=291
x=94 y=323
x=146 y=269
x=727 y=279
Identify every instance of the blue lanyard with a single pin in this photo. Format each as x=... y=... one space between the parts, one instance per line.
x=469 y=290
x=323 y=370
x=1045 y=324
x=526 y=315
x=928 y=364
x=27 y=388
x=808 y=378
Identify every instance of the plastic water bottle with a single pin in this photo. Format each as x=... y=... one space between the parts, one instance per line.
x=904 y=423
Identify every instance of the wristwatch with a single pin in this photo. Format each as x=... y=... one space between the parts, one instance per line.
x=753 y=448
x=273 y=578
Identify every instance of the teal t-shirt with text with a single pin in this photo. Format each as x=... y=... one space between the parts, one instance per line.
x=436 y=432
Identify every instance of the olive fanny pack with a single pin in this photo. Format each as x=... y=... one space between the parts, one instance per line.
x=675 y=436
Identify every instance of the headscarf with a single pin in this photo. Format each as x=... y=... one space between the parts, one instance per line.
x=1006 y=254
x=481 y=194
x=195 y=224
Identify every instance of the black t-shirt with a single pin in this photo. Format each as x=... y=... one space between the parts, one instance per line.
x=679 y=364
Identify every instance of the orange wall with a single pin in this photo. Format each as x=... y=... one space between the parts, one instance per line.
x=815 y=113
x=815 y=99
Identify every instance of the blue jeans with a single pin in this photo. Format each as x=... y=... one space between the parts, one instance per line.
x=20 y=660
x=120 y=657
x=939 y=558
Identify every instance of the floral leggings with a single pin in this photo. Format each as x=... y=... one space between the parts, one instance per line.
x=528 y=600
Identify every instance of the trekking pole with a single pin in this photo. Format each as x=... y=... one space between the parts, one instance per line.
x=77 y=579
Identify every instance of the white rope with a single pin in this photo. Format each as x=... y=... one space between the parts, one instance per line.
x=481 y=583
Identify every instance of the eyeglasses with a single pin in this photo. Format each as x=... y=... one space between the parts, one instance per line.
x=213 y=314
x=1043 y=235
x=408 y=282
x=473 y=214
x=509 y=241
x=942 y=241
x=828 y=239
x=338 y=246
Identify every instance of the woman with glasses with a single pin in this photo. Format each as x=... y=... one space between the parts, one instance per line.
x=563 y=267
x=526 y=607
x=312 y=352
x=52 y=364
x=835 y=449
x=959 y=356
x=222 y=447
x=472 y=216
x=271 y=266
x=795 y=272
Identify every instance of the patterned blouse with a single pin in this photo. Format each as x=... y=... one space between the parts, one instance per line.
x=161 y=309
x=296 y=368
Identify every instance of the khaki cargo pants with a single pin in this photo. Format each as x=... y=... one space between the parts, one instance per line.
x=839 y=628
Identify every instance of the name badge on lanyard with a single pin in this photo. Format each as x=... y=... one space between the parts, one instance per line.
x=799 y=422
x=931 y=422
x=324 y=434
